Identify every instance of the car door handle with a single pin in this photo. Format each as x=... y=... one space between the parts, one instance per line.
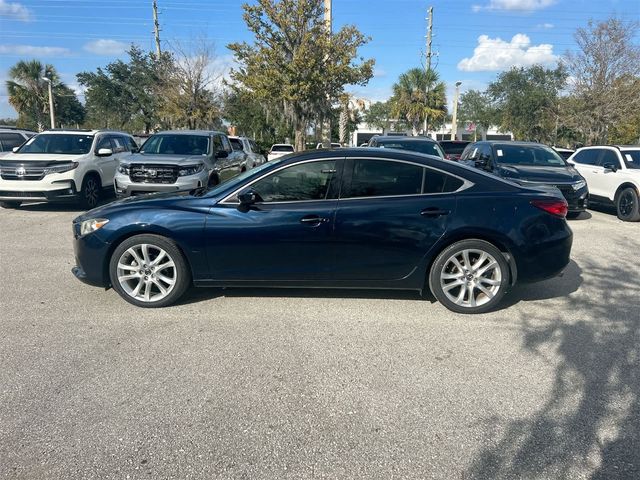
x=313 y=220
x=434 y=212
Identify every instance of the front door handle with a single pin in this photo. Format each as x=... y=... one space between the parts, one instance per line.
x=434 y=212
x=313 y=220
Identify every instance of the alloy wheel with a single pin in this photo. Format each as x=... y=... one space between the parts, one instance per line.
x=471 y=278
x=626 y=203
x=146 y=273
x=91 y=192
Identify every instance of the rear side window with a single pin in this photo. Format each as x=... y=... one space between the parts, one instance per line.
x=438 y=182
x=587 y=157
x=379 y=178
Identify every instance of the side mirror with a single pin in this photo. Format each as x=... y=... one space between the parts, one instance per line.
x=611 y=167
x=248 y=197
x=15 y=149
x=481 y=163
x=105 y=152
x=222 y=154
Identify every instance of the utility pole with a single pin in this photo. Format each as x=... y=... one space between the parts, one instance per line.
x=156 y=27
x=454 y=119
x=326 y=127
x=428 y=67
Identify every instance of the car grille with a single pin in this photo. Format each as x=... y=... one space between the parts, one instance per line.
x=153 y=173
x=22 y=194
x=566 y=190
x=22 y=173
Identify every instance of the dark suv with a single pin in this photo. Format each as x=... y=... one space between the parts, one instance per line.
x=414 y=144
x=453 y=148
x=529 y=164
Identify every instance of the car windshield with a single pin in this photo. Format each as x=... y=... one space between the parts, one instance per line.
x=631 y=158
x=282 y=148
x=532 y=155
x=164 y=144
x=58 y=143
x=453 y=148
x=430 y=148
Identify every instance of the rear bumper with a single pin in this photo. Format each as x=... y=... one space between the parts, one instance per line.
x=545 y=260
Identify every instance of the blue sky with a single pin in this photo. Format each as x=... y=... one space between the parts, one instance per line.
x=473 y=40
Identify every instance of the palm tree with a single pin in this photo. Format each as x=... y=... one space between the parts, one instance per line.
x=28 y=92
x=411 y=102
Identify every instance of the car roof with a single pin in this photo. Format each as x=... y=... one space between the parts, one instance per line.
x=190 y=132
x=282 y=145
x=11 y=128
x=455 y=141
x=76 y=131
x=404 y=139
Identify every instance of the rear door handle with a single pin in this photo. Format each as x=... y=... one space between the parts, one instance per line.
x=313 y=220
x=434 y=212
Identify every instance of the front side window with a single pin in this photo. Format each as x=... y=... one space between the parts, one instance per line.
x=104 y=142
x=609 y=157
x=631 y=158
x=587 y=157
x=380 y=178
x=226 y=145
x=302 y=182
x=470 y=152
x=119 y=144
x=236 y=144
x=169 y=144
x=58 y=143
x=531 y=155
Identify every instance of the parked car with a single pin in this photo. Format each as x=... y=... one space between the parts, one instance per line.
x=333 y=145
x=564 y=152
x=178 y=160
x=251 y=152
x=453 y=148
x=12 y=137
x=530 y=163
x=613 y=176
x=278 y=150
x=360 y=218
x=63 y=165
x=413 y=144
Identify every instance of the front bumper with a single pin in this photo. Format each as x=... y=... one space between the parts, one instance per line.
x=124 y=187
x=578 y=201
x=90 y=252
x=21 y=191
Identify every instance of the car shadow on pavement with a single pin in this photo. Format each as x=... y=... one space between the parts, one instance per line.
x=588 y=423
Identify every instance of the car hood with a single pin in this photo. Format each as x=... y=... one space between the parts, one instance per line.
x=535 y=174
x=38 y=159
x=165 y=159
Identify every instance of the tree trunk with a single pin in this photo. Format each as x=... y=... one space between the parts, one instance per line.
x=300 y=138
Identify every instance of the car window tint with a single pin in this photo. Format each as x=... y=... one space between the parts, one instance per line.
x=378 y=178
x=306 y=181
x=217 y=143
x=225 y=143
x=132 y=144
x=484 y=153
x=10 y=140
x=439 y=182
x=631 y=158
x=119 y=145
x=609 y=156
x=587 y=157
x=104 y=142
x=236 y=143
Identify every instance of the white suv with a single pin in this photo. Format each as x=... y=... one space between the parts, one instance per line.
x=613 y=176
x=63 y=165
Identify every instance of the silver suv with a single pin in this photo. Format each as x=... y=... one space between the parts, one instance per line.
x=250 y=151
x=178 y=160
x=63 y=165
x=12 y=137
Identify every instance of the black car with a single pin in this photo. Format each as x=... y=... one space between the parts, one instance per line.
x=343 y=218
x=414 y=144
x=530 y=164
x=453 y=148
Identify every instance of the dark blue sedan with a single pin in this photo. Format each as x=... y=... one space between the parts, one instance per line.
x=348 y=218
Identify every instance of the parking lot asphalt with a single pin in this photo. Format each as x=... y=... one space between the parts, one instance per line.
x=318 y=384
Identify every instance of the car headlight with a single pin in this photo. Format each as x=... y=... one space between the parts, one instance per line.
x=578 y=185
x=190 y=170
x=91 y=225
x=63 y=167
x=124 y=169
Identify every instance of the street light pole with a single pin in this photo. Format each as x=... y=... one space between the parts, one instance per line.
x=51 y=111
x=454 y=120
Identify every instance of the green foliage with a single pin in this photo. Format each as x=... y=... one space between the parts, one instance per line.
x=126 y=95
x=476 y=107
x=379 y=116
x=294 y=63
x=526 y=100
x=411 y=102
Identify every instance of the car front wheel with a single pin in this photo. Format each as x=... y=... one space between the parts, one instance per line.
x=149 y=271
x=627 y=206
x=470 y=276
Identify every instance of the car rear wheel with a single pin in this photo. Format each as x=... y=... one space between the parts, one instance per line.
x=149 y=271
x=627 y=206
x=10 y=204
x=470 y=276
x=90 y=192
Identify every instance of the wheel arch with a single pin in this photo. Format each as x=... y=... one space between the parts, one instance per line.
x=494 y=238
x=624 y=185
x=150 y=230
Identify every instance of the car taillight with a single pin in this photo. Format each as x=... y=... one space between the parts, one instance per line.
x=558 y=208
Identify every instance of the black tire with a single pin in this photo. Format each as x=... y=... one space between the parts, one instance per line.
x=90 y=192
x=180 y=270
x=573 y=215
x=213 y=180
x=627 y=205
x=10 y=204
x=468 y=280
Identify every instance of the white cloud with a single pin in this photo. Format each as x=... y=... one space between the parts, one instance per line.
x=33 y=51
x=545 y=25
x=494 y=54
x=15 y=11
x=106 y=47
x=517 y=5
